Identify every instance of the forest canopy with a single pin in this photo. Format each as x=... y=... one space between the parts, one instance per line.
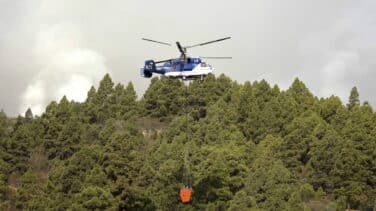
x=249 y=146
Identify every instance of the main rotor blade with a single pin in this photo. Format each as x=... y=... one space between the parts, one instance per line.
x=163 y=61
x=205 y=43
x=216 y=57
x=163 y=43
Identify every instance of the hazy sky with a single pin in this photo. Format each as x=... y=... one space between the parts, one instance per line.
x=49 y=48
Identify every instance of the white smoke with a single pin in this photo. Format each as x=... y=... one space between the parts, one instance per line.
x=339 y=65
x=339 y=55
x=67 y=68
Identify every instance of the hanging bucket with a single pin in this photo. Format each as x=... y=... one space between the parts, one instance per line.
x=185 y=194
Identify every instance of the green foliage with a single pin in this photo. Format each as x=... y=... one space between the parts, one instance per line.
x=3 y=124
x=31 y=193
x=302 y=96
x=301 y=133
x=3 y=187
x=93 y=198
x=247 y=146
x=322 y=160
x=67 y=142
x=164 y=97
x=18 y=147
x=242 y=201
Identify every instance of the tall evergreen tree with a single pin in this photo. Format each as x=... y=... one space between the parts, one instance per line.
x=103 y=98
x=29 y=114
x=303 y=97
x=354 y=98
x=3 y=124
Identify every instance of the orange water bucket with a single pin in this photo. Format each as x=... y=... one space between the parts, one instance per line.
x=185 y=195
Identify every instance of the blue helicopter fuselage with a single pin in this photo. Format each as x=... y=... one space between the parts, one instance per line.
x=177 y=65
x=189 y=68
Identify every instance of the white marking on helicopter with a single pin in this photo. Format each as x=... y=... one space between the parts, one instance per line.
x=200 y=69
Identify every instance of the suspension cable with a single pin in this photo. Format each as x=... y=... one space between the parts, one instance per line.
x=186 y=173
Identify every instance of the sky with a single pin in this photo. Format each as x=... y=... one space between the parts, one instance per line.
x=51 y=48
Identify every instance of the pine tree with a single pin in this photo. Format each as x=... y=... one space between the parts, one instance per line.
x=91 y=95
x=323 y=154
x=69 y=138
x=3 y=124
x=29 y=114
x=19 y=148
x=302 y=96
x=269 y=181
x=301 y=133
x=354 y=98
x=103 y=98
x=105 y=89
x=129 y=104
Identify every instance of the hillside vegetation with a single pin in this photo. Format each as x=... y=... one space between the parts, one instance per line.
x=247 y=147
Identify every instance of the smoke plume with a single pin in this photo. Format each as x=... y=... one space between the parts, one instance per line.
x=67 y=68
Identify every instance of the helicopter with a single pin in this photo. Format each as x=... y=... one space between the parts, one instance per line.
x=184 y=67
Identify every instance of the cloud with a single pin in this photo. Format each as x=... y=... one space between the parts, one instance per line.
x=34 y=97
x=338 y=66
x=67 y=68
x=338 y=57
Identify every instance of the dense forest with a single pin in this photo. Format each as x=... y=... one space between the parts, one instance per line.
x=249 y=146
